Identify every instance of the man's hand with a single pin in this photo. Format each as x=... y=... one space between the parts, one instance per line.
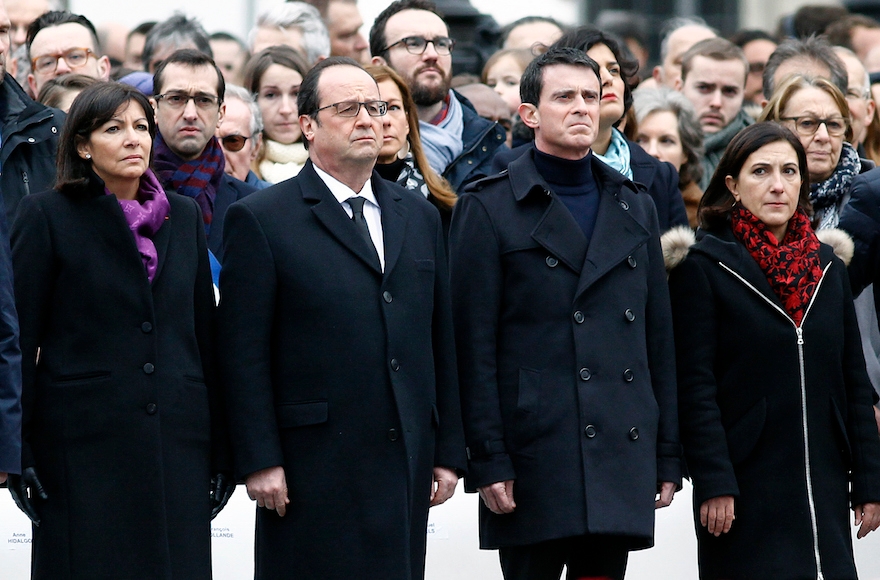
x=877 y=416
x=667 y=491
x=2 y=476
x=716 y=514
x=498 y=497
x=867 y=518
x=268 y=487
x=443 y=486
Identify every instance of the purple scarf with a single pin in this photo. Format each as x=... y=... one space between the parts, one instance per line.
x=145 y=215
x=199 y=178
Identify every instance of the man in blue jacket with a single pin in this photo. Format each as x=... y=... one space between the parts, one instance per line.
x=411 y=37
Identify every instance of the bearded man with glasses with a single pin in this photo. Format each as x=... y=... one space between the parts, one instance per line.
x=187 y=157
x=335 y=342
x=411 y=37
x=59 y=43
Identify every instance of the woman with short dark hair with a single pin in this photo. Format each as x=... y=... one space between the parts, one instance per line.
x=123 y=451
x=774 y=400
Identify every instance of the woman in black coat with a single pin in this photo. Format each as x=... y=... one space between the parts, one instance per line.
x=774 y=401
x=115 y=301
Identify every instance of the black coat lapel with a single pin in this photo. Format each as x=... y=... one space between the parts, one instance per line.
x=330 y=214
x=393 y=220
x=110 y=223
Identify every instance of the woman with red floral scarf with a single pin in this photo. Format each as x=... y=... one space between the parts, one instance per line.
x=774 y=400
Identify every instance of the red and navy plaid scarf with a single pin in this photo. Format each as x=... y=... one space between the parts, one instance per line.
x=199 y=178
x=792 y=267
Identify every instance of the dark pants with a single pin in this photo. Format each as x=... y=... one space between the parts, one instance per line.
x=587 y=557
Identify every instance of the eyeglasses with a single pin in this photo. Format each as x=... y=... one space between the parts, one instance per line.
x=418 y=44
x=74 y=57
x=179 y=100
x=807 y=126
x=234 y=142
x=858 y=94
x=353 y=108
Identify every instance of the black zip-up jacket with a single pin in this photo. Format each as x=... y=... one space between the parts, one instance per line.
x=28 y=143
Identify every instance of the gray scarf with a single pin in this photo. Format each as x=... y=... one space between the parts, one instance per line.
x=442 y=142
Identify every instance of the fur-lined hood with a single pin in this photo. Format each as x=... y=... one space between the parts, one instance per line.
x=676 y=244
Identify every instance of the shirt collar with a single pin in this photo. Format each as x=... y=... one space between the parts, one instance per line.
x=341 y=191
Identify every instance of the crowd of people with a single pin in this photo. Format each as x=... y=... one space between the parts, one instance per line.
x=324 y=268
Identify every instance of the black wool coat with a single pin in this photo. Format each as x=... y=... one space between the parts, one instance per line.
x=118 y=410
x=786 y=428
x=342 y=374
x=567 y=366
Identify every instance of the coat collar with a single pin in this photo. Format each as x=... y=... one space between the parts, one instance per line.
x=332 y=216
x=617 y=233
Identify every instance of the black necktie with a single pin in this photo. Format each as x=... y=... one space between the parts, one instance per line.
x=357 y=216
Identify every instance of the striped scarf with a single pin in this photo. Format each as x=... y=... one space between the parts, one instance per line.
x=199 y=178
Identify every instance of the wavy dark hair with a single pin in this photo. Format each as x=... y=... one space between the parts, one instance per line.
x=586 y=37
x=718 y=201
x=93 y=107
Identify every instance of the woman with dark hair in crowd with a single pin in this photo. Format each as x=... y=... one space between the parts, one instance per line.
x=668 y=130
x=401 y=158
x=611 y=146
x=774 y=400
x=273 y=75
x=123 y=456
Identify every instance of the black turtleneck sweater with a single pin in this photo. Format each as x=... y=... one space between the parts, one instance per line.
x=575 y=185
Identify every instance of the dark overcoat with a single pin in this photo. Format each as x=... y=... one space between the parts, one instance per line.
x=341 y=374
x=118 y=408
x=566 y=357
x=782 y=423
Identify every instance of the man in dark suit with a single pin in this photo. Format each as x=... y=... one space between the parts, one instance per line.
x=187 y=157
x=564 y=338
x=337 y=351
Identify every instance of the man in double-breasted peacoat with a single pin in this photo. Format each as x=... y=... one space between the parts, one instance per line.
x=564 y=341
x=337 y=351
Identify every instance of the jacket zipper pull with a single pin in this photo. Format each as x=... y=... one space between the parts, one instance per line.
x=800 y=334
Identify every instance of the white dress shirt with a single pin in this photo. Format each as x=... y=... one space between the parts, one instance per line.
x=372 y=212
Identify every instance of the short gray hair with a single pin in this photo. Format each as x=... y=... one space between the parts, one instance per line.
x=243 y=95
x=305 y=18
x=866 y=81
x=812 y=48
x=674 y=24
x=649 y=101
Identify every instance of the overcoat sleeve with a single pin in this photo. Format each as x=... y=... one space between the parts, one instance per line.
x=702 y=433
x=205 y=325
x=245 y=322
x=10 y=361
x=676 y=210
x=860 y=426
x=476 y=282
x=449 y=448
x=33 y=262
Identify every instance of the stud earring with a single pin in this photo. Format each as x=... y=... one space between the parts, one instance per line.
x=88 y=155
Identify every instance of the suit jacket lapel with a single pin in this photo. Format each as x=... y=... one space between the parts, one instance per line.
x=113 y=229
x=642 y=166
x=393 y=220
x=161 y=240
x=328 y=211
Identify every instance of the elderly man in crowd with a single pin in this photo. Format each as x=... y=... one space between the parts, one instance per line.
x=808 y=56
x=336 y=345
x=713 y=78
x=344 y=24
x=858 y=96
x=176 y=33
x=59 y=43
x=682 y=33
x=187 y=158
x=294 y=24
x=241 y=135
x=412 y=38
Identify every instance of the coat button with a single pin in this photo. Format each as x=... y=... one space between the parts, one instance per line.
x=484 y=148
x=633 y=434
x=470 y=161
x=392 y=434
x=631 y=261
x=629 y=315
x=551 y=261
x=146 y=327
x=386 y=296
x=585 y=374
x=590 y=431
x=579 y=317
x=31 y=140
x=628 y=375
x=624 y=205
x=149 y=368
x=395 y=366
x=151 y=408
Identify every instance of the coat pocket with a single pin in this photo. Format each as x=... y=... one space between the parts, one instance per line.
x=80 y=378
x=743 y=434
x=840 y=432
x=292 y=415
